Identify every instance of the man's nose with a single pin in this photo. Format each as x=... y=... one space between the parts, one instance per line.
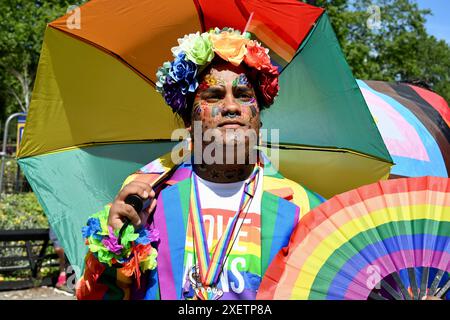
x=231 y=107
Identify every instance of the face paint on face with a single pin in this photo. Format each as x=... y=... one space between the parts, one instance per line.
x=214 y=174
x=250 y=102
x=241 y=80
x=244 y=93
x=229 y=104
x=197 y=108
x=211 y=81
x=215 y=111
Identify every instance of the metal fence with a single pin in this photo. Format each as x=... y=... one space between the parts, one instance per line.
x=27 y=259
x=12 y=179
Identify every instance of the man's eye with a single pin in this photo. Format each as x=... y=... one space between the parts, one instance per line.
x=244 y=96
x=212 y=99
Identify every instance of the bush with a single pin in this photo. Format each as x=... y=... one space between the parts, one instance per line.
x=14 y=181
x=21 y=211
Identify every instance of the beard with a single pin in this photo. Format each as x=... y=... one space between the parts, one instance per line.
x=230 y=146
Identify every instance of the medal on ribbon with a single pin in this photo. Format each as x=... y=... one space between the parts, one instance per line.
x=203 y=292
x=204 y=276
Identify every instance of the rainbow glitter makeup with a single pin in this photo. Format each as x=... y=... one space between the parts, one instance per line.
x=211 y=81
x=250 y=102
x=241 y=80
x=197 y=108
x=215 y=111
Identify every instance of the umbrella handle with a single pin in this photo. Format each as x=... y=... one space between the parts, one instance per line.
x=138 y=204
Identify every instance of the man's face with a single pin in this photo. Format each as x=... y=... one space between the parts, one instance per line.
x=225 y=102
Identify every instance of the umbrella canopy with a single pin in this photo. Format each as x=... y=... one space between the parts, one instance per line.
x=415 y=126
x=95 y=116
x=372 y=242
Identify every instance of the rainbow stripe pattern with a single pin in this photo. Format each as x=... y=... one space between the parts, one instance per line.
x=387 y=227
x=210 y=267
x=414 y=124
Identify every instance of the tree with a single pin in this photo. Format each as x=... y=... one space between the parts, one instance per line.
x=22 y=26
x=387 y=40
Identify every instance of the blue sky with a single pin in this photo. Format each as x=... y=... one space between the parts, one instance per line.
x=437 y=24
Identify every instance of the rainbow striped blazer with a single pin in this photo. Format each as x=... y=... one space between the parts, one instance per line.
x=283 y=202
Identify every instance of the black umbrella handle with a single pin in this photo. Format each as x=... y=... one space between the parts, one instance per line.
x=138 y=204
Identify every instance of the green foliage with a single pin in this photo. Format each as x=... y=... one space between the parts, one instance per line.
x=21 y=211
x=22 y=26
x=9 y=175
x=398 y=50
x=13 y=181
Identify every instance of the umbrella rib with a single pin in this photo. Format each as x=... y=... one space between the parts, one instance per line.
x=329 y=149
x=95 y=144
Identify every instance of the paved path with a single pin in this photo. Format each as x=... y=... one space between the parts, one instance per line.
x=42 y=293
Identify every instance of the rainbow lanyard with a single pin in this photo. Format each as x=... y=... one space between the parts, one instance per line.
x=210 y=268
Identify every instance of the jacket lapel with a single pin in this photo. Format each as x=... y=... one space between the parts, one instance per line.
x=279 y=216
x=278 y=219
x=171 y=219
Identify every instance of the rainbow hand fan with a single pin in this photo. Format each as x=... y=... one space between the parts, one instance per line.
x=388 y=240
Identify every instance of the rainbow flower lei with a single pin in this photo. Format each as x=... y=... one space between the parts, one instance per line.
x=135 y=253
x=176 y=79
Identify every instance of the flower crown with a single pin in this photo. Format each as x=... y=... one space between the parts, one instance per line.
x=176 y=79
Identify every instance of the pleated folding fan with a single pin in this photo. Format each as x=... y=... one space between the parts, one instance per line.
x=388 y=240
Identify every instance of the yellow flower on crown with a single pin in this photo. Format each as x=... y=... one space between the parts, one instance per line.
x=210 y=80
x=230 y=46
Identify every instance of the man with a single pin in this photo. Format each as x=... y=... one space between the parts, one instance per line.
x=218 y=221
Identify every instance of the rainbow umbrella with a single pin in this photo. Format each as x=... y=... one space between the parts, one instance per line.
x=95 y=116
x=387 y=240
x=415 y=126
